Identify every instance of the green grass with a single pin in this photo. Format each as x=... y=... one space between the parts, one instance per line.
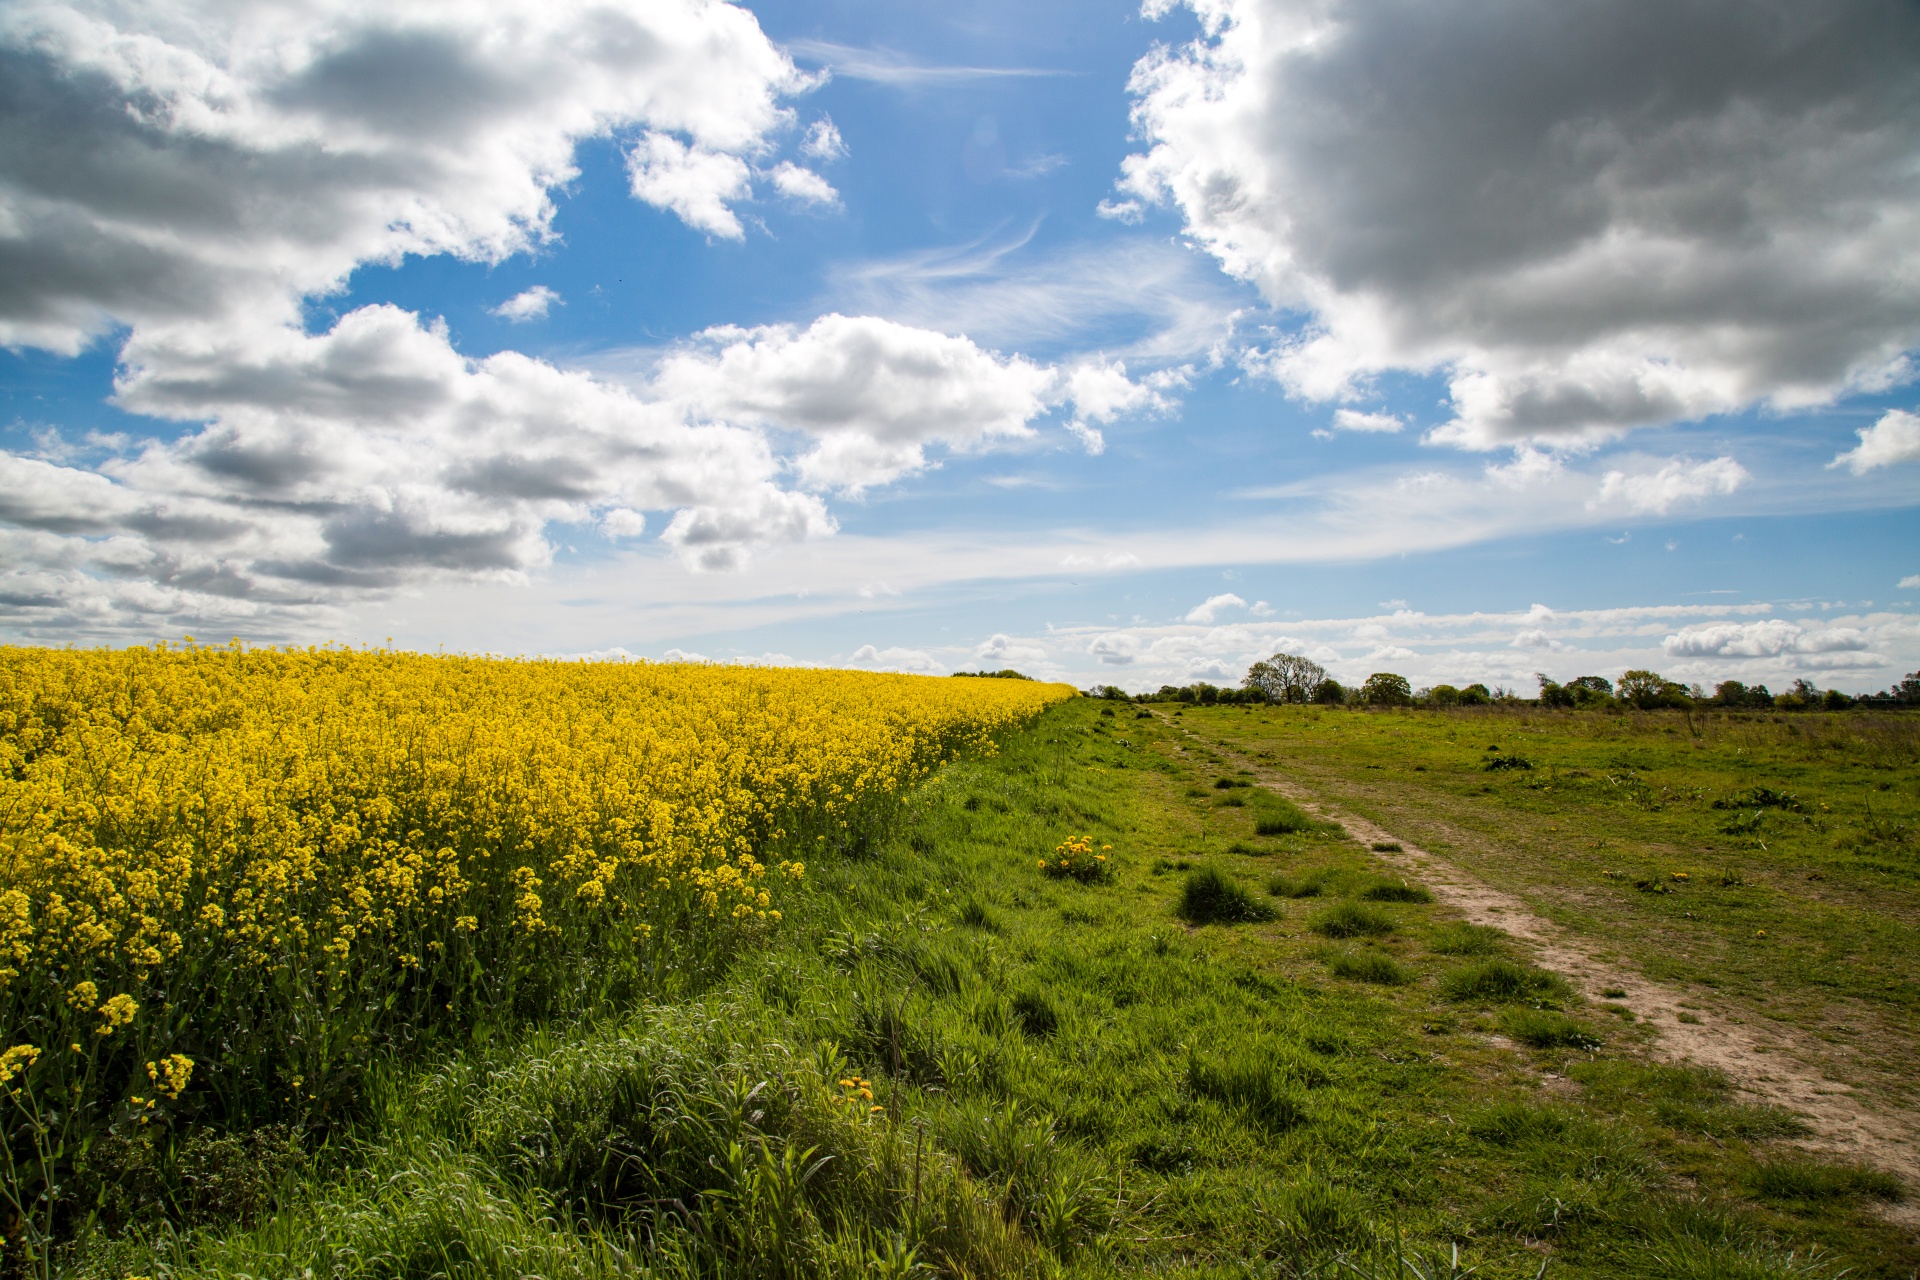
x=1351 y=920
x=1070 y=1080
x=1798 y=837
x=1209 y=897
x=1497 y=980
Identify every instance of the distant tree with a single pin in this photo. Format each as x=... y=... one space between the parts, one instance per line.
x=1649 y=689
x=1834 y=700
x=1385 y=689
x=1008 y=674
x=1475 y=695
x=1112 y=691
x=1736 y=696
x=1330 y=693
x=1286 y=677
x=1552 y=693
x=1440 y=696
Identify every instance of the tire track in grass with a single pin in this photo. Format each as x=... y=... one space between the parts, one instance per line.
x=1773 y=1067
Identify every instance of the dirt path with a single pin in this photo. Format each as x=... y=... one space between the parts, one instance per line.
x=1771 y=1063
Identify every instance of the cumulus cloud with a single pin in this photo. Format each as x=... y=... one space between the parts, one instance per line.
x=874 y=395
x=823 y=141
x=1588 y=217
x=1000 y=650
x=697 y=184
x=1354 y=420
x=1115 y=649
x=804 y=185
x=1893 y=439
x=1911 y=582
x=368 y=457
x=1677 y=480
x=1209 y=609
x=531 y=304
x=167 y=163
x=1812 y=646
x=912 y=661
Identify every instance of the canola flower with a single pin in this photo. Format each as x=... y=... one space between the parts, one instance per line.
x=244 y=868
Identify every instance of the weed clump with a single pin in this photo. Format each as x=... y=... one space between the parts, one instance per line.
x=1396 y=891
x=1545 y=1029
x=1208 y=897
x=1370 y=966
x=1507 y=762
x=1351 y=920
x=1385 y=846
x=1502 y=980
x=1469 y=940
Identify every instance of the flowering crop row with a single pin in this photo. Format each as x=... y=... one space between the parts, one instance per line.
x=253 y=865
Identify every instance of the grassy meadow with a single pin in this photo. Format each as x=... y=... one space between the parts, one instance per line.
x=1089 y=1001
x=1765 y=862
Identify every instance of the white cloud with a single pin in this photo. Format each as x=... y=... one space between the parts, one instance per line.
x=1588 y=218
x=1091 y=438
x=1001 y=650
x=823 y=141
x=171 y=163
x=530 y=304
x=1354 y=420
x=875 y=394
x=804 y=185
x=1677 y=480
x=374 y=455
x=1911 y=582
x=1115 y=649
x=912 y=661
x=692 y=182
x=1209 y=609
x=1893 y=439
x=622 y=522
x=1772 y=638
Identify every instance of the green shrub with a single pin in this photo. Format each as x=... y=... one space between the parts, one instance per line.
x=1396 y=891
x=1469 y=940
x=1370 y=966
x=1502 y=980
x=1545 y=1029
x=1351 y=920
x=1208 y=897
x=1799 y=1177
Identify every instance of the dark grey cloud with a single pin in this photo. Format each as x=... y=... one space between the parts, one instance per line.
x=1594 y=215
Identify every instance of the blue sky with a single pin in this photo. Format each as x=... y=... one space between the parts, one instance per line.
x=1114 y=345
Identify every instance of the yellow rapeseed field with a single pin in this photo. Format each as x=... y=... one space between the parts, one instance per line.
x=229 y=873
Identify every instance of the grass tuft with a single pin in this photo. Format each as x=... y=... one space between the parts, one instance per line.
x=1469 y=940
x=1800 y=1177
x=1502 y=980
x=1310 y=884
x=1208 y=897
x=1545 y=1029
x=1396 y=891
x=1370 y=966
x=1351 y=920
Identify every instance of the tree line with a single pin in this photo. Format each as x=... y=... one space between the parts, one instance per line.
x=1293 y=679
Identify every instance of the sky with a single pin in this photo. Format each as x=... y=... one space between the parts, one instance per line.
x=1118 y=344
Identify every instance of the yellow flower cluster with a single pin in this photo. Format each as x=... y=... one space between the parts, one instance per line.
x=1075 y=857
